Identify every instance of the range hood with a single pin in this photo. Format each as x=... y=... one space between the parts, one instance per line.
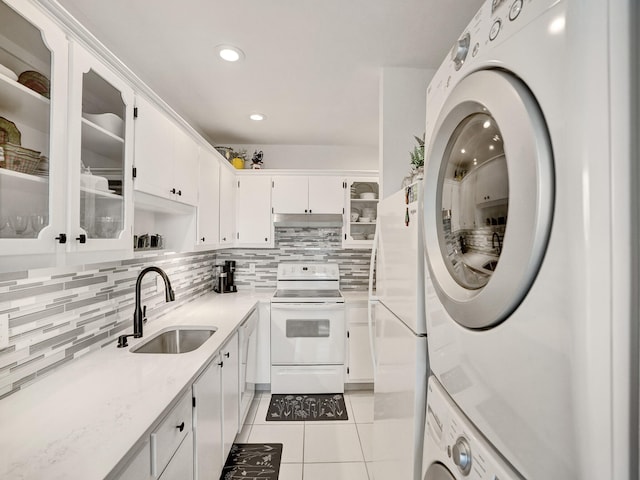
x=307 y=220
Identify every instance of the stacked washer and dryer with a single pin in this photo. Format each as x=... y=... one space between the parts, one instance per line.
x=530 y=213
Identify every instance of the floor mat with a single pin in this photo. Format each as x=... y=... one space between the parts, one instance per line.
x=307 y=407
x=253 y=461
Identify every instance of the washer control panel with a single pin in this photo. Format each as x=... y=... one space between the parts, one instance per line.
x=452 y=440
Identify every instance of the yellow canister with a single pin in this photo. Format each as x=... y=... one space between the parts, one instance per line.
x=238 y=163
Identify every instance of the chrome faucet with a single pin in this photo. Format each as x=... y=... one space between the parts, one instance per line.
x=493 y=242
x=140 y=313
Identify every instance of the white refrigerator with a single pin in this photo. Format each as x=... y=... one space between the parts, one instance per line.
x=400 y=338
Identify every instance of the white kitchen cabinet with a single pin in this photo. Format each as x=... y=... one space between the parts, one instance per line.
x=227 y=205
x=254 y=225
x=33 y=180
x=359 y=363
x=230 y=393
x=308 y=194
x=208 y=199
x=170 y=434
x=247 y=347
x=166 y=157
x=181 y=465
x=207 y=422
x=361 y=199
x=467 y=193
x=100 y=156
x=492 y=183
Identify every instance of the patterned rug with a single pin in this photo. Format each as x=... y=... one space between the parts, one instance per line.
x=307 y=407
x=253 y=461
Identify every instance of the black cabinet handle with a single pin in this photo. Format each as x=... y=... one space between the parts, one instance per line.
x=226 y=354
x=180 y=427
x=180 y=192
x=82 y=238
x=202 y=239
x=173 y=190
x=221 y=364
x=266 y=239
x=62 y=238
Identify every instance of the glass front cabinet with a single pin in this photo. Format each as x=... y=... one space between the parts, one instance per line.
x=65 y=146
x=100 y=154
x=361 y=211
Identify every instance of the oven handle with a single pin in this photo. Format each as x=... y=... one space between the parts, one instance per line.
x=308 y=306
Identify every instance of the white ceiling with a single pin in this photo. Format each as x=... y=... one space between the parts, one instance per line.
x=312 y=66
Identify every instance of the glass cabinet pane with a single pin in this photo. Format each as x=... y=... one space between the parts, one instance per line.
x=102 y=158
x=363 y=202
x=25 y=111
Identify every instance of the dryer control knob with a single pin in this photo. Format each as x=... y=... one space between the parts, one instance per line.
x=462 y=455
x=460 y=50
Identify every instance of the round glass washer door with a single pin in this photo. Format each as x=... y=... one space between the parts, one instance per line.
x=489 y=198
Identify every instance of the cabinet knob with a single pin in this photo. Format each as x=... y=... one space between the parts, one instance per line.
x=266 y=239
x=224 y=239
x=226 y=354
x=173 y=190
x=180 y=427
x=221 y=364
x=82 y=238
x=62 y=238
x=202 y=239
x=180 y=192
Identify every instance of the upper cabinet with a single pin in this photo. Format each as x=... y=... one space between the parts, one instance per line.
x=227 y=206
x=33 y=113
x=166 y=157
x=254 y=226
x=362 y=211
x=100 y=156
x=209 y=199
x=308 y=194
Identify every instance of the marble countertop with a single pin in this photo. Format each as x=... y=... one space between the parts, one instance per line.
x=90 y=416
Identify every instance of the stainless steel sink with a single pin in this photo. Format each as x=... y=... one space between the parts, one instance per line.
x=175 y=340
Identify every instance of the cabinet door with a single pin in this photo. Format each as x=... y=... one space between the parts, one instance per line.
x=185 y=167
x=33 y=180
x=359 y=232
x=467 y=200
x=360 y=365
x=263 y=368
x=230 y=393
x=227 y=205
x=208 y=199
x=100 y=156
x=492 y=183
x=290 y=194
x=207 y=422
x=326 y=194
x=181 y=465
x=153 y=150
x=254 y=211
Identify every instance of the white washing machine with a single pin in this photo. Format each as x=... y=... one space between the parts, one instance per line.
x=453 y=448
x=529 y=235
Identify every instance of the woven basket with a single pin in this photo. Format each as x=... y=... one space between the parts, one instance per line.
x=19 y=159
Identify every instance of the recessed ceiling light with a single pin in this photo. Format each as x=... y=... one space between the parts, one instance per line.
x=491 y=147
x=486 y=124
x=463 y=151
x=257 y=117
x=229 y=53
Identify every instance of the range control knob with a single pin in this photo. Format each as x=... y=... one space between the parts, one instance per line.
x=461 y=453
x=460 y=50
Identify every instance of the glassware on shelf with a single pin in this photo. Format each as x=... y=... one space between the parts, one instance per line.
x=38 y=222
x=19 y=224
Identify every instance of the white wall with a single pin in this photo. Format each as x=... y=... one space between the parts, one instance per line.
x=323 y=157
x=403 y=97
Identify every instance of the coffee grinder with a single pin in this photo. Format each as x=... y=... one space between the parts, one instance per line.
x=230 y=269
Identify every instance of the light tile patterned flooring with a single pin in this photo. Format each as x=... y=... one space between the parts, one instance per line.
x=337 y=450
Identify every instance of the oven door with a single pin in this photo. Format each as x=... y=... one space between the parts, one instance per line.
x=307 y=333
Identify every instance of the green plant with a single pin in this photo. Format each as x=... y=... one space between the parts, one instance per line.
x=417 y=155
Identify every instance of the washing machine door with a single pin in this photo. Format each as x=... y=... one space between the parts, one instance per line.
x=489 y=192
x=437 y=471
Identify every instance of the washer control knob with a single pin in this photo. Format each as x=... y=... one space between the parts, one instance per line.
x=460 y=50
x=462 y=455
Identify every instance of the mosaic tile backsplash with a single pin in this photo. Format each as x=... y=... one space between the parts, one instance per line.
x=58 y=315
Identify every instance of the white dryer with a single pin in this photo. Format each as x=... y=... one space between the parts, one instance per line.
x=525 y=213
x=453 y=448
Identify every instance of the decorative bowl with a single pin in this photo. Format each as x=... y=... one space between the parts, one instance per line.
x=368 y=195
x=36 y=82
x=365 y=219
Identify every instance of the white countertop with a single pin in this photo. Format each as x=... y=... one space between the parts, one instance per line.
x=83 y=419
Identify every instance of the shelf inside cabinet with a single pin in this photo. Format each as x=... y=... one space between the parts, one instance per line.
x=101 y=193
x=22 y=105
x=101 y=141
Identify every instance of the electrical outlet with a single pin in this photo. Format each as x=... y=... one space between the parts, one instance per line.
x=4 y=331
x=252 y=268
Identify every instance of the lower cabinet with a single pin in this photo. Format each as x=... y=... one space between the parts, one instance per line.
x=230 y=393
x=359 y=362
x=167 y=438
x=181 y=465
x=207 y=422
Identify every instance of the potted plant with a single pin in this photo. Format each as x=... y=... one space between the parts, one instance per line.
x=417 y=162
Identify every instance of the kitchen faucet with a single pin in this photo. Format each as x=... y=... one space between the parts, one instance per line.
x=139 y=314
x=493 y=242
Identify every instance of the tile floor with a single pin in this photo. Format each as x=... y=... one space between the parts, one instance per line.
x=339 y=450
